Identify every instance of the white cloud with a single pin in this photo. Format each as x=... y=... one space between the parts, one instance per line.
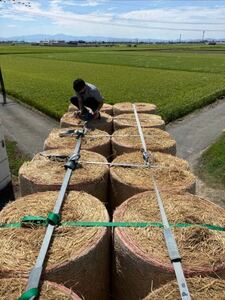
x=139 y=23
x=93 y=2
x=12 y=25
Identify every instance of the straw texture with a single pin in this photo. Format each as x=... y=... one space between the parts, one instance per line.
x=146 y=120
x=141 y=258
x=106 y=108
x=78 y=256
x=126 y=108
x=104 y=124
x=95 y=141
x=128 y=140
x=44 y=174
x=13 y=288
x=170 y=172
x=199 y=288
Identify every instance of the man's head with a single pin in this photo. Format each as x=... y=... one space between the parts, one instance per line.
x=79 y=85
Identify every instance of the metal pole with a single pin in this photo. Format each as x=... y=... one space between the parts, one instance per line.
x=171 y=244
x=36 y=271
x=2 y=87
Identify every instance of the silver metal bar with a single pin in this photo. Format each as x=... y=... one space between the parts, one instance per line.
x=36 y=272
x=169 y=238
x=139 y=129
x=172 y=249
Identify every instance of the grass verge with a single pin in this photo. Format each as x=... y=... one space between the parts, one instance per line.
x=15 y=156
x=212 y=164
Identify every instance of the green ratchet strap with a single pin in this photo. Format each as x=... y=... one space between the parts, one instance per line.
x=31 y=221
x=32 y=293
x=28 y=221
x=54 y=219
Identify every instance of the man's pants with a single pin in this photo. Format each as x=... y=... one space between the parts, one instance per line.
x=91 y=103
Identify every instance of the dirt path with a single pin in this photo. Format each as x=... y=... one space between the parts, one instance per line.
x=193 y=134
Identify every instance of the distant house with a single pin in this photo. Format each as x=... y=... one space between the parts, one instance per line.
x=211 y=43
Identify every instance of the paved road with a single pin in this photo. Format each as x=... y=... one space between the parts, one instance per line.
x=27 y=127
x=195 y=132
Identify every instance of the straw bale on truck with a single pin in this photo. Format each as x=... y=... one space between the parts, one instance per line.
x=45 y=172
x=78 y=256
x=11 y=288
x=106 y=108
x=170 y=172
x=128 y=140
x=94 y=140
x=127 y=108
x=104 y=124
x=141 y=257
x=147 y=121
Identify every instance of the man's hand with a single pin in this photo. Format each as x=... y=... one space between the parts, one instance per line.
x=96 y=115
x=77 y=114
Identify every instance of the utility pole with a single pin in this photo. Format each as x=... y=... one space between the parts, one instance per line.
x=180 y=39
x=203 y=35
x=2 y=87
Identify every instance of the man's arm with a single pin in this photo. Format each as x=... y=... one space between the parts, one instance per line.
x=80 y=103
x=100 y=106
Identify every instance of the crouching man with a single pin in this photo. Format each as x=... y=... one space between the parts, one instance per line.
x=88 y=100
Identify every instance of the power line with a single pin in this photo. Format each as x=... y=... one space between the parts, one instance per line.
x=145 y=27
x=170 y=22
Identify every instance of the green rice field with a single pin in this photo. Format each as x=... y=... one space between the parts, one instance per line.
x=178 y=79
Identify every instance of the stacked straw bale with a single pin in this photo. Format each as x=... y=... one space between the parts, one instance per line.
x=147 y=121
x=104 y=124
x=170 y=172
x=95 y=140
x=78 y=257
x=106 y=108
x=127 y=108
x=199 y=288
x=46 y=174
x=12 y=288
x=141 y=257
x=128 y=140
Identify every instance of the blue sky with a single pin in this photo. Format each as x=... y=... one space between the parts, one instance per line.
x=163 y=19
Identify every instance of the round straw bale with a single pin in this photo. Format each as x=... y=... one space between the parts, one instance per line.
x=141 y=257
x=199 y=288
x=46 y=174
x=12 y=288
x=128 y=120
x=126 y=108
x=95 y=140
x=128 y=140
x=104 y=124
x=106 y=108
x=170 y=172
x=78 y=256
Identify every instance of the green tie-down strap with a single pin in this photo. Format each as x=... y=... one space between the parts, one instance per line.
x=29 y=294
x=31 y=221
x=54 y=219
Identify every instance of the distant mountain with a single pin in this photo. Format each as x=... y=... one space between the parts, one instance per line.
x=67 y=38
